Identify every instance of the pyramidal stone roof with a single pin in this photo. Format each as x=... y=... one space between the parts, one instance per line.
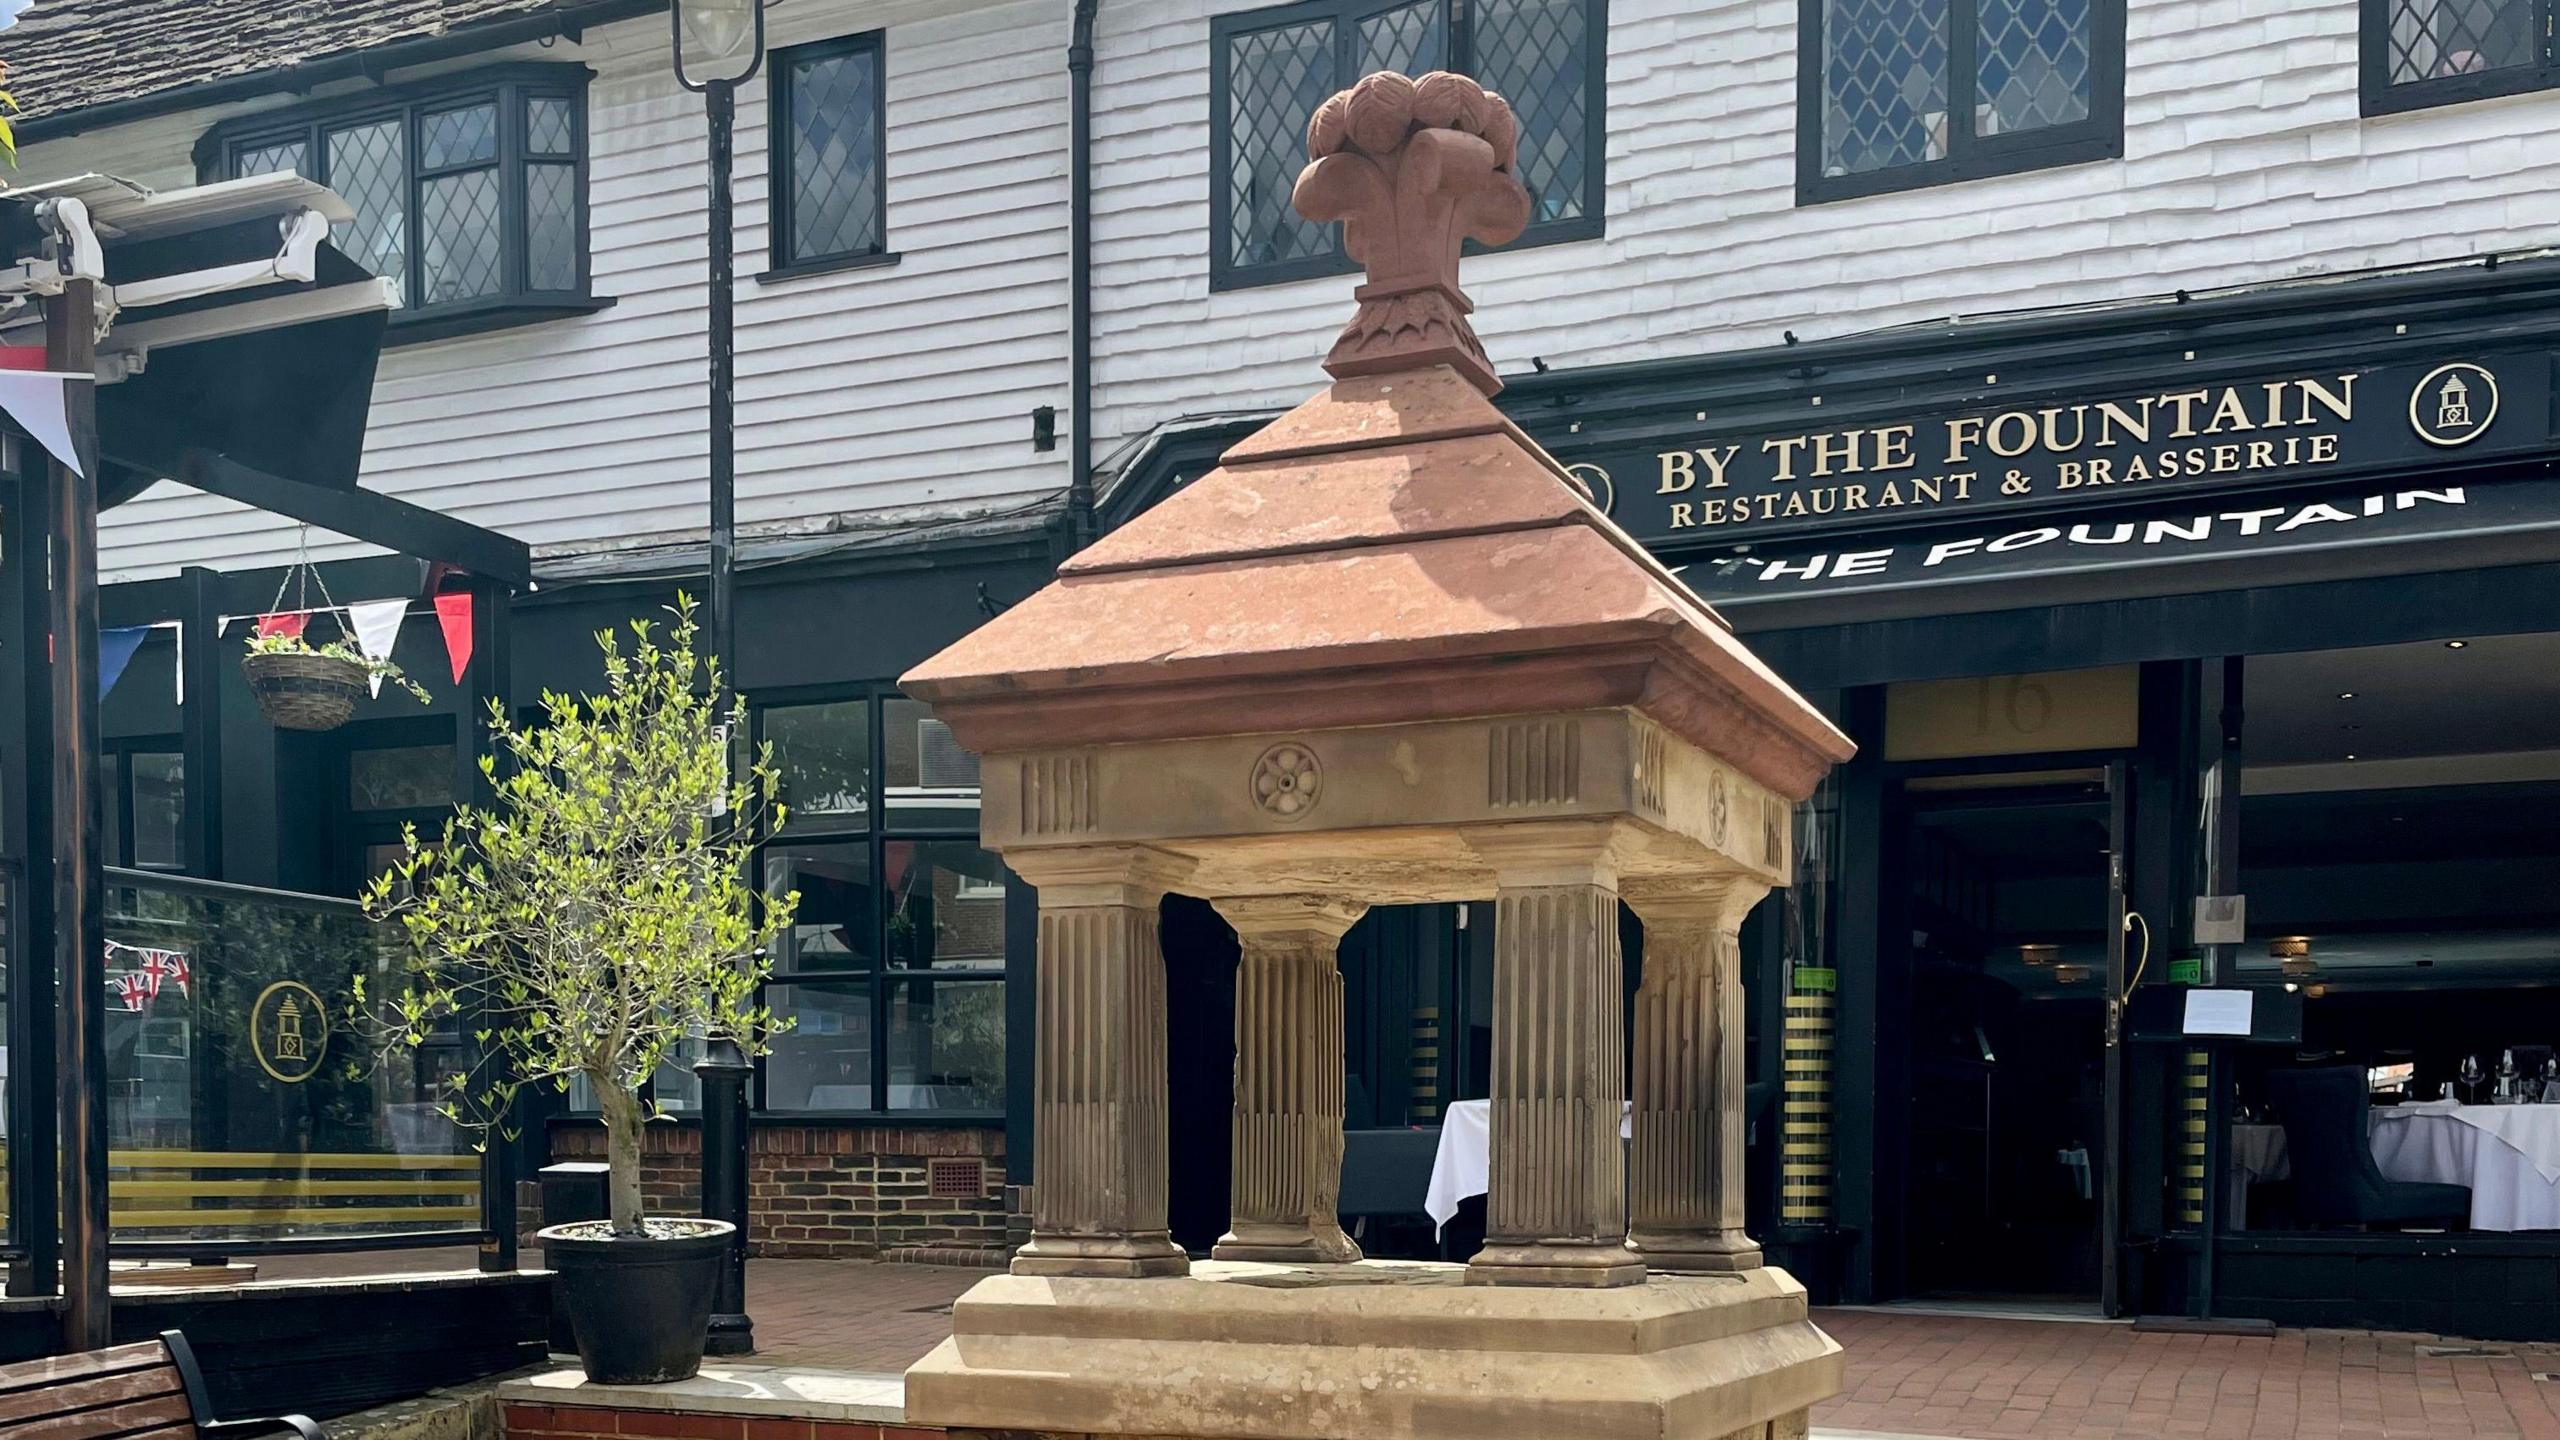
x=1393 y=550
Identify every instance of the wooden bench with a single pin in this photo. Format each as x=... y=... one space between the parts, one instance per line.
x=150 y=1391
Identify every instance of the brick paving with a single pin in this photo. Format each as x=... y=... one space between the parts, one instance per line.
x=1985 y=1379
x=1909 y=1374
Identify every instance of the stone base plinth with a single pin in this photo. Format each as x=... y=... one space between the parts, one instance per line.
x=1377 y=1351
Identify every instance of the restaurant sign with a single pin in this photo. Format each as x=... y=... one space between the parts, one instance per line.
x=2305 y=426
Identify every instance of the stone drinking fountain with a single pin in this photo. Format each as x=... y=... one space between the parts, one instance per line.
x=1387 y=653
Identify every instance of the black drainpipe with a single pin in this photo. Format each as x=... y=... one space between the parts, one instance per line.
x=1080 y=516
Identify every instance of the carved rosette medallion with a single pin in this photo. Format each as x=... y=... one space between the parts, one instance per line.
x=1287 y=781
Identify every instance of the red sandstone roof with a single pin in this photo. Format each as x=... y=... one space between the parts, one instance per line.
x=1393 y=550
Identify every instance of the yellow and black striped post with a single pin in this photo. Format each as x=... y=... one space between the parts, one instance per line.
x=1804 y=1174
x=2194 y=1085
x=1425 y=1065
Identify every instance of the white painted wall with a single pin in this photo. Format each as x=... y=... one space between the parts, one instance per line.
x=2245 y=161
x=907 y=389
x=862 y=396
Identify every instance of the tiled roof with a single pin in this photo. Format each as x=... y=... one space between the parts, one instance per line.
x=71 y=55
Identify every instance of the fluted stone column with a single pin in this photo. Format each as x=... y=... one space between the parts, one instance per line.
x=1685 y=1167
x=1286 y=1164
x=1099 y=1122
x=1555 y=1210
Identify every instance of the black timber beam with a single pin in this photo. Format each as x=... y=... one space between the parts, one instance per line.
x=364 y=515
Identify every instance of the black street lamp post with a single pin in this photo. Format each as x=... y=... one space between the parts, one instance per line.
x=722 y=30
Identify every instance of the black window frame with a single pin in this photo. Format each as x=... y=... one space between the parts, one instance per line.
x=1457 y=19
x=778 y=150
x=508 y=88
x=2378 y=94
x=1969 y=156
x=874 y=830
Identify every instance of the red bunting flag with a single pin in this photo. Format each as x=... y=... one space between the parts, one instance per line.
x=453 y=614
x=288 y=623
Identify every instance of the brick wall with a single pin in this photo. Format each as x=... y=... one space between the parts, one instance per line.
x=850 y=1192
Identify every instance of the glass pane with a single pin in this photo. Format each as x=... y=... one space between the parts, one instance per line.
x=159 y=808
x=823 y=753
x=1275 y=80
x=111 y=826
x=459 y=230
x=1537 y=55
x=933 y=783
x=823 y=1062
x=285 y=155
x=368 y=167
x=404 y=777
x=551 y=227
x=946 y=1045
x=2032 y=61
x=946 y=905
x=837 y=924
x=468 y=136
x=549 y=127
x=835 y=155
x=227 y=1039
x=1410 y=39
x=1884 y=84
x=2434 y=39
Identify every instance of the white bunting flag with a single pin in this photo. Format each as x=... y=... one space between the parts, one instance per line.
x=377 y=627
x=38 y=401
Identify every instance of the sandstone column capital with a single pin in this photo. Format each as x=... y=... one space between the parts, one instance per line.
x=1307 y=918
x=1069 y=876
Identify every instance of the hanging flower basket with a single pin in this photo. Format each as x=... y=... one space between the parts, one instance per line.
x=304 y=689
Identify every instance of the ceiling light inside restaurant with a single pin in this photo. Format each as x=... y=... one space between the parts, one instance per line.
x=2289 y=947
x=2039 y=955
x=2457 y=644
x=2070 y=974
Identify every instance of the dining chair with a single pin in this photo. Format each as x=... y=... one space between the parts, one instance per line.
x=2327 y=1130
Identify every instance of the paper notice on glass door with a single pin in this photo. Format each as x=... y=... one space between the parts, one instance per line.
x=2219 y=1012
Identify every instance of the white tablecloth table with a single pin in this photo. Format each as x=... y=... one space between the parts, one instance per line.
x=2508 y=1154
x=1465 y=1157
x=2255 y=1153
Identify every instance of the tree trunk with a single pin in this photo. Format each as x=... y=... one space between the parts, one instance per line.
x=623 y=1121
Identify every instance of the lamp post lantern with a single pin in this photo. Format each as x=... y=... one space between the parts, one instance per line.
x=722 y=32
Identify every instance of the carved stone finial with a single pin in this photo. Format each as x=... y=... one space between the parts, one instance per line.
x=1414 y=169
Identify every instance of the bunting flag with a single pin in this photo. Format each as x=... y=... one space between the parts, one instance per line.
x=453 y=613
x=165 y=967
x=376 y=624
x=288 y=622
x=39 y=400
x=132 y=989
x=115 y=651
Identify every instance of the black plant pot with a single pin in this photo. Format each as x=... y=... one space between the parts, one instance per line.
x=640 y=1305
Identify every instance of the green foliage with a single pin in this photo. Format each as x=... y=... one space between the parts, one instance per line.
x=343 y=649
x=600 y=911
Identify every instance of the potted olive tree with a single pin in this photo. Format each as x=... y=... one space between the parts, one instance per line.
x=580 y=928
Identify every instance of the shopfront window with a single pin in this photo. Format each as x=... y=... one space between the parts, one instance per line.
x=2402 y=877
x=892 y=974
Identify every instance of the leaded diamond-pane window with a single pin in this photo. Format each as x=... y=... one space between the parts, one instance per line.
x=1272 y=68
x=830 y=201
x=468 y=193
x=2438 y=52
x=1898 y=106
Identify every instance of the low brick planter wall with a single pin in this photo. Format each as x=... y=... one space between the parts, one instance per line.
x=596 y=1422
x=836 y=1191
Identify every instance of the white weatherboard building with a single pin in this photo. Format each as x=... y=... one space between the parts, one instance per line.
x=1793 y=265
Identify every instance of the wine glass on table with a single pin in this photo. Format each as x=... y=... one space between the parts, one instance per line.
x=2472 y=1074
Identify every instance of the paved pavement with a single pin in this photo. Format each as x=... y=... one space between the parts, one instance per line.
x=1909 y=1374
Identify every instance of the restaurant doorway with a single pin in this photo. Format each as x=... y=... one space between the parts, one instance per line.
x=2013 y=914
